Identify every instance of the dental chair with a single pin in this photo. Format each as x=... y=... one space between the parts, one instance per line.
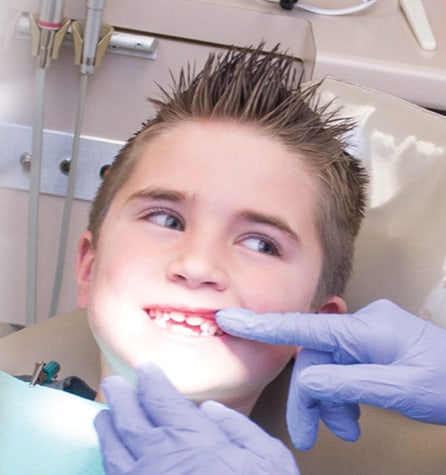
x=399 y=255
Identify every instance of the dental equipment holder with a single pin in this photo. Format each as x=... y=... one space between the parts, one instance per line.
x=121 y=41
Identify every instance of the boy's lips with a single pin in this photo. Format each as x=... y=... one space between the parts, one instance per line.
x=185 y=322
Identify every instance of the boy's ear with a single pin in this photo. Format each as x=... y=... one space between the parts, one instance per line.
x=333 y=304
x=84 y=268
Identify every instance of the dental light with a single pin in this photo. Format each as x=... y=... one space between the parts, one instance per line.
x=290 y=4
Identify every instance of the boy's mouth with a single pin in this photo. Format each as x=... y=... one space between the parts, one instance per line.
x=185 y=322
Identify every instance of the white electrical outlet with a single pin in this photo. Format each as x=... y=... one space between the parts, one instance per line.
x=15 y=151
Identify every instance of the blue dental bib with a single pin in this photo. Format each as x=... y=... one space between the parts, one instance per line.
x=44 y=431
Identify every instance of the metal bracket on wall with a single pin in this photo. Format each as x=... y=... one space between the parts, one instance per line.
x=95 y=155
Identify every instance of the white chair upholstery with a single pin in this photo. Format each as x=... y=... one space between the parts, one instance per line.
x=401 y=250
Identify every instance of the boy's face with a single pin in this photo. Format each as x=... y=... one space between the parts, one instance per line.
x=214 y=215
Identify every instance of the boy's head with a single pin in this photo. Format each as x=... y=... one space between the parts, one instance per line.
x=238 y=193
x=262 y=89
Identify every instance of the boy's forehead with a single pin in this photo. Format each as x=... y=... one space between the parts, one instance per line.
x=234 y=159
x=237 y=152
x=210 y=134
x=219 y=142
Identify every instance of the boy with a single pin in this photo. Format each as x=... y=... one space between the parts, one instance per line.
x=237 y=194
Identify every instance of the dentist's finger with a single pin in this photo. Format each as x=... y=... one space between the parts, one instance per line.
x=315 y=331
x=362 y=337
x=117 y=459
x=133 y=427
x=305 y=410
x=240 y=429
x=165 y=406
x=350 y=338
x=122 y=400
x=341 y=419
x=377 y=385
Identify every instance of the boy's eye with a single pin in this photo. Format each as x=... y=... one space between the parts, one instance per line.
x=165 y=219
x=262 y=245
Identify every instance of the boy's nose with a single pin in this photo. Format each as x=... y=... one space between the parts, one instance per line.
x=198 y=265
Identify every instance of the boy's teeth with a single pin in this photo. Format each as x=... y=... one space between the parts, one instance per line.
x=182 y=330
x=185 y=325
x=205 y=326
x=177 y=317
x=194 y=321
x=161 y=323
x=210 y=329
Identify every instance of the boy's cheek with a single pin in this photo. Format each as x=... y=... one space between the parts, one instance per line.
x=297 y=351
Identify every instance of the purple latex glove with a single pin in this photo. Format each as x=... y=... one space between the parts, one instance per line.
x=155 y=430
x=380 y=355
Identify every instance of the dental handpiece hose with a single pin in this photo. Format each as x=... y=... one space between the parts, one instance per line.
x=92 y=33
x=48 y=23
x=50 y=20
x=91 y=37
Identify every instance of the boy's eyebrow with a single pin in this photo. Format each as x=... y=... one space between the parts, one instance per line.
x=157 y=194
x=271 y=220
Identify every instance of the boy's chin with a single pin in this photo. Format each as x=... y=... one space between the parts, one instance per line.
x=232 y=397
x=198 y=384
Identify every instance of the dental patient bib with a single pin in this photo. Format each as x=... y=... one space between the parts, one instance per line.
x=44 y=431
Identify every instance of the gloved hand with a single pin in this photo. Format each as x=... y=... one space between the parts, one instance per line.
x=381 y=355
x=156 y=430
